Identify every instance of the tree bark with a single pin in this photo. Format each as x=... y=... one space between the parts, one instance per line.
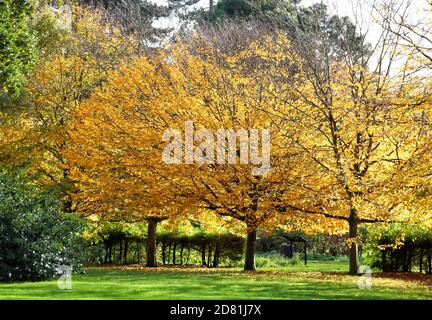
x=174 y=253
x=250 y=251
x=209 y=255
x=164 y=252
x=106 y=252
x=121 y=251
x=125 y=251
x=151 y=243
x=216 y=256
x=421 y=260
x=391 y=261
x=203 y=255
x=188 y=255
x=353 y=250
x=429 y=259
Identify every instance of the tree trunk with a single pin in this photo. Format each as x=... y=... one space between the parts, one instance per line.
x=151 y=243
x=250 y=251
x=188 y=255
x=164 y=252
x=409 y=262
x=429 y=263
x=125 y=250
x=421 y=260
x=353 y=250
x=216 y=256
x=391 y=260
x=209 y=255
x=106 y=252
x=135 y=255
x=174 y=253
x=121 y=251
x=203 y=255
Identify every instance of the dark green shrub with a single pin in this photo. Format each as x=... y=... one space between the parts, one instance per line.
x=36 y=237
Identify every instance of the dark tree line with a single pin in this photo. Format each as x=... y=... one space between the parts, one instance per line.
x=211 y=248
x=413 y=255
x=173 y=249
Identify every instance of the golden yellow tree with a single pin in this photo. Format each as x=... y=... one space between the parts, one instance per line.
x=64 y=77
x=113 y=158
x=121 y=133
x=358 y=133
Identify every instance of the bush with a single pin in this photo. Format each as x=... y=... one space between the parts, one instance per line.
x=35 y=236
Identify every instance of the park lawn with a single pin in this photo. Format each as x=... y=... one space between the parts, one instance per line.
x=318 y=280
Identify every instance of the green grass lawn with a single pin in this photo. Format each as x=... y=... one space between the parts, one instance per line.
x=318 y=280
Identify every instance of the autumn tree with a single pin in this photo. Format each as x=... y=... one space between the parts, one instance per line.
x=113 y=158
x=359 y=131
x=230 y=76
x=70 y=70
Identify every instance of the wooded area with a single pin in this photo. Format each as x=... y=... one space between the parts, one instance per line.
x=89 y=90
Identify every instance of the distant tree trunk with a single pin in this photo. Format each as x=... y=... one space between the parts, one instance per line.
x=250 y=251
x=106 y=251
x=110 y=253
x=384 y=260
x=216 y=256
x=209 y=254
x=174 y=252
x=121 y=250
x=203 y=255
x=136 y=255
x=353 y=249
x=181 y=253
x=429 y=263
x=421 y=260
x=405 y=259
x=164 y=245
x=151 y=242
x=391 y=261
x=125 y=250
x=188 y=255
x=409 y=261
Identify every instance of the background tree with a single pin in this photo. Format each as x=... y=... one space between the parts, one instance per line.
x=17 y=44
x=360 y=134
x=112 y=159
x=67 y=75
x=313 y=22
x=231 y=78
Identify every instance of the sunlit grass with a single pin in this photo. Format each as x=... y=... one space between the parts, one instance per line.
x=317 y=280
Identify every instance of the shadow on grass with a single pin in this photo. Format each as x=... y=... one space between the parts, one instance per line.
x=103 y=283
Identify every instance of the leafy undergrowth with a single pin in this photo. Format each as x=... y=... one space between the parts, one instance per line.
x=137 y=282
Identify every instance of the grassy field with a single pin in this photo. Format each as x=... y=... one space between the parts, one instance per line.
x=318 y=280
